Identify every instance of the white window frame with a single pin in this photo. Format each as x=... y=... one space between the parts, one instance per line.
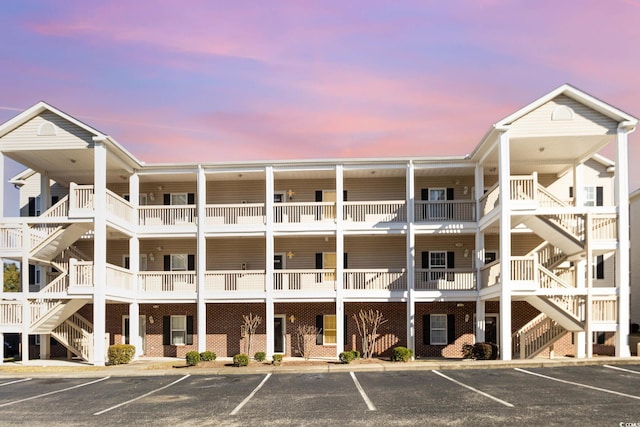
x=437 y=266
x=589 y=190
x=142 y=198
x=176 y=256
x=178 y=330
x=433 y=329
x=176 y=195
x=325 y=329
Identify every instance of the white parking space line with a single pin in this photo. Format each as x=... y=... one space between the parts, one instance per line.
x=502 y=402
x=15 y=382
x=370 y=404
x=248 y=398
x=622 y=369
x=143 y=396
x=53 y=392
x=604 y=390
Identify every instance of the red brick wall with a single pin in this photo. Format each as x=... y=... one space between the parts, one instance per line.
x=464 y=328
x=391 y=334
x=224 y=323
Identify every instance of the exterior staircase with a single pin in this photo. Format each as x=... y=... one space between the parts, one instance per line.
x=49 y=241
x=536 y=336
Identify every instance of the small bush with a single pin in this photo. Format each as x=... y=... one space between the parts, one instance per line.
x=401 y=354
x=277 y=359
x=120 y=354
x=467 y=351
x=356 y=354
x=480 y=351
x=260 y=356
x=347 y=356
x=240 y=360
x=208 y=356
x=193 y=358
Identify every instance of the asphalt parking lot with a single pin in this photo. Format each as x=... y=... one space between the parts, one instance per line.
x=570 y=395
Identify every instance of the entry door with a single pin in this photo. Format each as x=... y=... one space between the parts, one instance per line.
x=491 y=328
x=142 y=328
x=278 y=333
x=329 y=211
x=329 y=263
x=279 y=197
x=278 y=264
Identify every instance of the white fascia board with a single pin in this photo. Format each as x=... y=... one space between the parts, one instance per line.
x=21 y=177
x=634 y=194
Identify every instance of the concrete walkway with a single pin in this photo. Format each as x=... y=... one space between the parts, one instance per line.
x=223 y=366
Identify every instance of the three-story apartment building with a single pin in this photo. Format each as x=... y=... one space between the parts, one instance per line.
x=524 y=243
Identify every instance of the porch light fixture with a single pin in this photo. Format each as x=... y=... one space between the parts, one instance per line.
x=466 y=253
x=152 y=197
x=458 y=244
x=290 y=254
x=151 y=258
x=160 y=188
x=151 y=319
x=290 y=194
x=292 y=318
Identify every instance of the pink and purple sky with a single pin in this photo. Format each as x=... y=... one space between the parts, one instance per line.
x=259 y=80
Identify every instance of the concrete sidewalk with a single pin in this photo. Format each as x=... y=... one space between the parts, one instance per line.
x=223 y=366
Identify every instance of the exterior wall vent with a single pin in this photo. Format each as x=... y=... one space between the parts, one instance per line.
x=47 y=129
x=562 y=113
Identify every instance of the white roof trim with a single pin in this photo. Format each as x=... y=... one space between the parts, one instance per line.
x=634 y=194
x=578 y=95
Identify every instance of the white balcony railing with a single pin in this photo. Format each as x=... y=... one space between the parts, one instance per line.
x=81 y=197
x=604 y=310
x=490 y=200
x=167 y=215
x=119 y=207
x=446 y=210
x=119 y=278
x=167 y=281
x=445 y=279
x=10 y=313
x=490 y=274
x=304 y=280
x=604 y=227
x=304 y=212
x=10 y=237
x=244 y=214
x=234 y=281
x=375 y=279
x=378 y=211
x=81 y=273
x=523 y=188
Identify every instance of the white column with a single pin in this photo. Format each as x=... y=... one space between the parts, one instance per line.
x=202 y=260
x=24 y=288
x=480 y=320
x=2 y=180
x=134 y=193
x=99 y=253
x=411 y=257
x=45 y=348
x=269 y=309
x=45 y=192
x=479 y=246
x=134 y=268
x=504 y=174
x=622 y=252
x=339 y=260
x=578 y=185
x=589 y=301
x=579 y=344
x=134 y=329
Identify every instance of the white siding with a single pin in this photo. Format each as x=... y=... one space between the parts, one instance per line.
x=67 y=135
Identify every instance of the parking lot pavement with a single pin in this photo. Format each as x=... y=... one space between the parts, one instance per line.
x=587 y=395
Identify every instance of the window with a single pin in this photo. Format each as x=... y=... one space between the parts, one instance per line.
x=329 y=331
x=598 y=267
x=489 y=257
x=589 y=196
x=177 y=330
x=438 y=328
x=142 y=198
x=179 y=198
x=179 y=262
x=143 y=262
x=437 y=259
x=34 y=206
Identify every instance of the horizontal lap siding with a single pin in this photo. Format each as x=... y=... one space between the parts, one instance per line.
x=305 y=189
x=31 y=188
x=376 y=251
x=230 y=253
x=233 y=192
x=68 y=135
x=586 y=121
x=304 y=250
x=368 y=189
x=446 y=182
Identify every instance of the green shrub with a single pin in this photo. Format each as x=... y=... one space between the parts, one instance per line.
x=240 y=360
x=208 y=356
x=356 y=354
x=120 y=354
x=260 y=356
x=480 y=351
x=193 y=358
x=401 y=354
x=277 y=359
x=347 y=356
